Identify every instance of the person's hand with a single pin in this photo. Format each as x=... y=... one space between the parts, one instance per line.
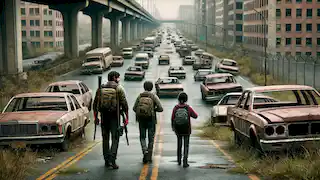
x=126 y=121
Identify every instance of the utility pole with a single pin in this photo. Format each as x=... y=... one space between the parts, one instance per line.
x=204 y=21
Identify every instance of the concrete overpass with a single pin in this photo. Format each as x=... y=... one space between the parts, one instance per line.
x=171 y=21
x=135 y=20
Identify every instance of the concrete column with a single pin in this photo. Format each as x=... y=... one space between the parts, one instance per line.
x=134 y=27
x=96 y=30
x=139 y=29
x=125 y=30
x=70 y=26
x=10 y=37
x=114 y=32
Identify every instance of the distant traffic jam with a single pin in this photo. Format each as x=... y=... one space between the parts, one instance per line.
x=272 y=118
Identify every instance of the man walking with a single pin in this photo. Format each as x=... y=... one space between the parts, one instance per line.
x=109 y=100
x=145 y=107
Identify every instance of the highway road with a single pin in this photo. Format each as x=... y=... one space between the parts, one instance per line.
x=90 y=164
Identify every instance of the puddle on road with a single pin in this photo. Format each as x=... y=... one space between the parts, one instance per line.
x=73 y=170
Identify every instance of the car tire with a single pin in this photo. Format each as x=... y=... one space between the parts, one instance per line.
x=64 y=146
x=237 y=138
x=255 y=143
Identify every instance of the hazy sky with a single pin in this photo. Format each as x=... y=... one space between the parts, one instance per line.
x=168 y=9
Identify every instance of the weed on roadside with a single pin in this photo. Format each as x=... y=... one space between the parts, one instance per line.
x=287 y=166
x=15 y=164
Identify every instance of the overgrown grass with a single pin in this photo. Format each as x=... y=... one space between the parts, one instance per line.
x=299 y=166
x=15 y=164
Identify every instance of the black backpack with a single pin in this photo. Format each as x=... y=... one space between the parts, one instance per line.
x=181 y=116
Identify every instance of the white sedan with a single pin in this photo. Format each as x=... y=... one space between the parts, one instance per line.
x=78 y=88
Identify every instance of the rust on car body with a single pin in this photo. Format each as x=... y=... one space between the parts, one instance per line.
x=117 y=61
x=134 y=72
x=287 y=123
x=228 y=65
x=168 y=86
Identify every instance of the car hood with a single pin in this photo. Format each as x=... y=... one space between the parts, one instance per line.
x=291 y=114
x=229 y=67
x=179 y=71
x=133 y=72
x=141 y=62
x=170 y=86
x=92 y=63
x=223 y=86
x=41 y=117
x=126 y=52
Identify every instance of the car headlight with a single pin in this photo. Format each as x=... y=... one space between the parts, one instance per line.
x=275 y=130
x=49 y=128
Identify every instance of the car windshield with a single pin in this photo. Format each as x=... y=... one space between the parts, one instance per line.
x=222 y=79
x=229 y=63
x=42 y=103
x=140 y=59
x=164 y=56
x=169 y=81
x=126 y=50
x=92 y=59
x=188 y=57
x=176 y=68
x=69 y=88
x=204 y=73
x=134 y=69
x=230 y=100
x=283 y=98
x=149 y=42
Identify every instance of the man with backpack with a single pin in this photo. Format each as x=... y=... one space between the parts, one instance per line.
x=145 y=107
x=181 y=125
x=109 y=100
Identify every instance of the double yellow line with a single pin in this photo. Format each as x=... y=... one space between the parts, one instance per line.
x=155 y=168
x=52 y=173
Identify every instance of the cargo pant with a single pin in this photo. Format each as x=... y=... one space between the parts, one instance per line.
x=110 y=127
x=185 y=140
x=144 y=128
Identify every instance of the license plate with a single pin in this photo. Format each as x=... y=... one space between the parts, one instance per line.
x=18 y=145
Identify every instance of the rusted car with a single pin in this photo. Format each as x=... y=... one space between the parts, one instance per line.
x=194 y=47
x=168 y=86
x=42 y=118
x=204 y=62
x=134 y=73
x=78 y=88
x=198 y=52
x=289 y=123
x=177 y=71
x=164 y=59
x=142 y=59
x=201 y=74
x=227 y=66
x=219 y=111
x=127 y=53
x=117 y=61
x=215 y=86
x=188 y=60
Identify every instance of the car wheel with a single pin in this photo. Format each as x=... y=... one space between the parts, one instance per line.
x=237 y=138
x=255 y=143
x=64 y=146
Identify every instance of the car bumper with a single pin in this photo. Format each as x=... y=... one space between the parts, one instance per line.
x=164 y=62
x=48 y=139
x=177 y=75
x=145 y=66
x=128 y=77
x=227 y=71
x=213 y=98
x=116 y=64
x=91 y=71
x=285 y=144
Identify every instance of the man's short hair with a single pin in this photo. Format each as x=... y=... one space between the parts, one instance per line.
x=148 y=86
x=183 y=97
x=113 y=75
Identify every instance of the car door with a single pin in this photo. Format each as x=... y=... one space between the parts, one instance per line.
x=80 y=112
x=86 y=94
x=237 y=113
x=73 y=118
x=81 y=96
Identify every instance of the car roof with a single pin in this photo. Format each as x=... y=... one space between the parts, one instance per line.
x=205 y=70
x=139 y=67
x=50 y=94
x=207 y=54
x=279 y=88
x=164 y=55
x=234 y=93
x=218 y=75
x=129 y=48
x=142 y=55
x=68 y=82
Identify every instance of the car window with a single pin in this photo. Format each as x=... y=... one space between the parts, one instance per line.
x=69 y=88
x=229 y=63
x=82 y=88
x=76 y=103
x=243 y=99
x=85 y=87
x=248 y=101
x=230 y=100
x=71 y=104
x=222 y=79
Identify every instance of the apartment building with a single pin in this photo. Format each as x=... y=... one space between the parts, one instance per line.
x=235 y=21
x=293 y=26
x=41 y=26
x=186 y=12
x=221 y=19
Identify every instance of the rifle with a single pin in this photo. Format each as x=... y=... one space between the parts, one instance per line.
x=96 y=116
x=125 y=127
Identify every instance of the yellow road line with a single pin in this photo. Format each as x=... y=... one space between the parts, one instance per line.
x=251 y=176
x=69 y=164
x=145 y=168
x=155 y=169
x=63 y=164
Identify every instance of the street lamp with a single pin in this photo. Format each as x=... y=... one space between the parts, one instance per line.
x=264 y=21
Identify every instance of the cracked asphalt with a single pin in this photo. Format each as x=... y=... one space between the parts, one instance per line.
x=205 y=159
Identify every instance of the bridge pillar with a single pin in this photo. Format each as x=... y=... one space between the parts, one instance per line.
x=10 y=37
x=139 y=29
x=70 y=26
x=96 y=29
x=134 y=27
x=114 y=33
x=126 y=27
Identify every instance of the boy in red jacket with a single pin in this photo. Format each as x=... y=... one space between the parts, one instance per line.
x=181 y=125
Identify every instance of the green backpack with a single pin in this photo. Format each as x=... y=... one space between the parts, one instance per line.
x=145 y=106
x=109 y=99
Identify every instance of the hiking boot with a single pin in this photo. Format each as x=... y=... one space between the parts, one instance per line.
x=107 y=163
x=113 y=165
x=185 y=165
x=179 y=162
x=145 y=158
